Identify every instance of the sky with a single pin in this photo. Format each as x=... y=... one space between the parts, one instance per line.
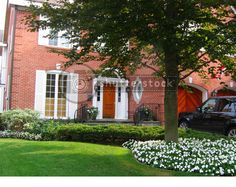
x=2 y=13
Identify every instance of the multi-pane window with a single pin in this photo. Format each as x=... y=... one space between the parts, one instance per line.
x=53 y=41
x=61 y=100
x=56 y=89
x=64 y=42
x=58 y=40
x=50 y=95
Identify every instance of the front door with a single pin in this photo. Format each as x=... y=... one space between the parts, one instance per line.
x=108 y=101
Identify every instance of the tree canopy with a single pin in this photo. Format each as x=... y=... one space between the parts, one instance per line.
x=173 y=38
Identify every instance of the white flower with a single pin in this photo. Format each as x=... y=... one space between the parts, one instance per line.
x=205 y=154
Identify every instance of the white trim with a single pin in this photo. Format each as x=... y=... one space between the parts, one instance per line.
x=136 y=94
x=20 y=2
x=43 y=40
x=56 y=96
x=40 y=92
x=116 y=102
x=58 y=72
x=1 y=98
x=72 y=94
x=203 y=90
x=3 y=44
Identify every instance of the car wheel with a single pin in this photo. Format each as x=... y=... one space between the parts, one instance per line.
x=232 y=133
x=183 y=124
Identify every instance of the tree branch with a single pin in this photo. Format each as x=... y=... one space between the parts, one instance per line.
x=195 y=69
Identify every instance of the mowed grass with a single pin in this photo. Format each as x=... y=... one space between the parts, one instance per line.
x=31 y=158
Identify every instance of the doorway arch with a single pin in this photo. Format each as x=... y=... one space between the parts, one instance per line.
x=226 y=92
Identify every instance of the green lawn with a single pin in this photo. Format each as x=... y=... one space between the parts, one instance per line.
x=30 y=158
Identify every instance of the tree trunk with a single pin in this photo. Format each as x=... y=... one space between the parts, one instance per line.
x=171 y=73
x=171 y=98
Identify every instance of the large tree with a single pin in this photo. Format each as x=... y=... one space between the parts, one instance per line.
x=174 y=35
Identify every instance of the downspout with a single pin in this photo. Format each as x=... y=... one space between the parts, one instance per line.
x=12 y=60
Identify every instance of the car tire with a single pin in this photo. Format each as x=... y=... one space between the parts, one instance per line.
x=232 y=132
x=183 y=124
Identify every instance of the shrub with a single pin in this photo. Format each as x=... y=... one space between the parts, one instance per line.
x=34 y=127
x=108 y=134
x=47 y=128
x=118 y=134
x=3 y=126
x=17 y=118
x=189 y=133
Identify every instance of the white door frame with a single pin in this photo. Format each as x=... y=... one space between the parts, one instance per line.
x=121 y=108
x=203 y=90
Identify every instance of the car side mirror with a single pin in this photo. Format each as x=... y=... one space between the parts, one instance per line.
x=199 y=109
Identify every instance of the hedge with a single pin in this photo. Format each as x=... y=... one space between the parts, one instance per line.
x=108 y=134
x=118 y=134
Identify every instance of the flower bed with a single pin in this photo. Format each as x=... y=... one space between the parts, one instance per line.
x=189 y=155
x=20 y=135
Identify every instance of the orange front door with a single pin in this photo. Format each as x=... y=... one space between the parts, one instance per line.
x=108 y=101
x=188 y=101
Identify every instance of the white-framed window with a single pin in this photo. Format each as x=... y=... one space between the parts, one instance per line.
x=56 y=94
x=53 y=41
x=138 y=90
x=58 y=40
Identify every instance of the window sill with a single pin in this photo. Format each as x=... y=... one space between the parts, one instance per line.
x=56 y=47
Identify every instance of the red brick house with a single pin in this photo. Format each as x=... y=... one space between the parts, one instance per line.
x=36 y=79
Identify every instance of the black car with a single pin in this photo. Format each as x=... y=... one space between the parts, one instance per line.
x=216 y=115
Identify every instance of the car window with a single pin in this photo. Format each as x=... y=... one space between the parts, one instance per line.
x=209 y=106
x=226 y=105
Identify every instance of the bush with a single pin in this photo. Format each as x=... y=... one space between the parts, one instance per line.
x=108 y=134
x=118 y=134
x=3 y=126
x=17 y=118
x=47 y=128
x=189 y=133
